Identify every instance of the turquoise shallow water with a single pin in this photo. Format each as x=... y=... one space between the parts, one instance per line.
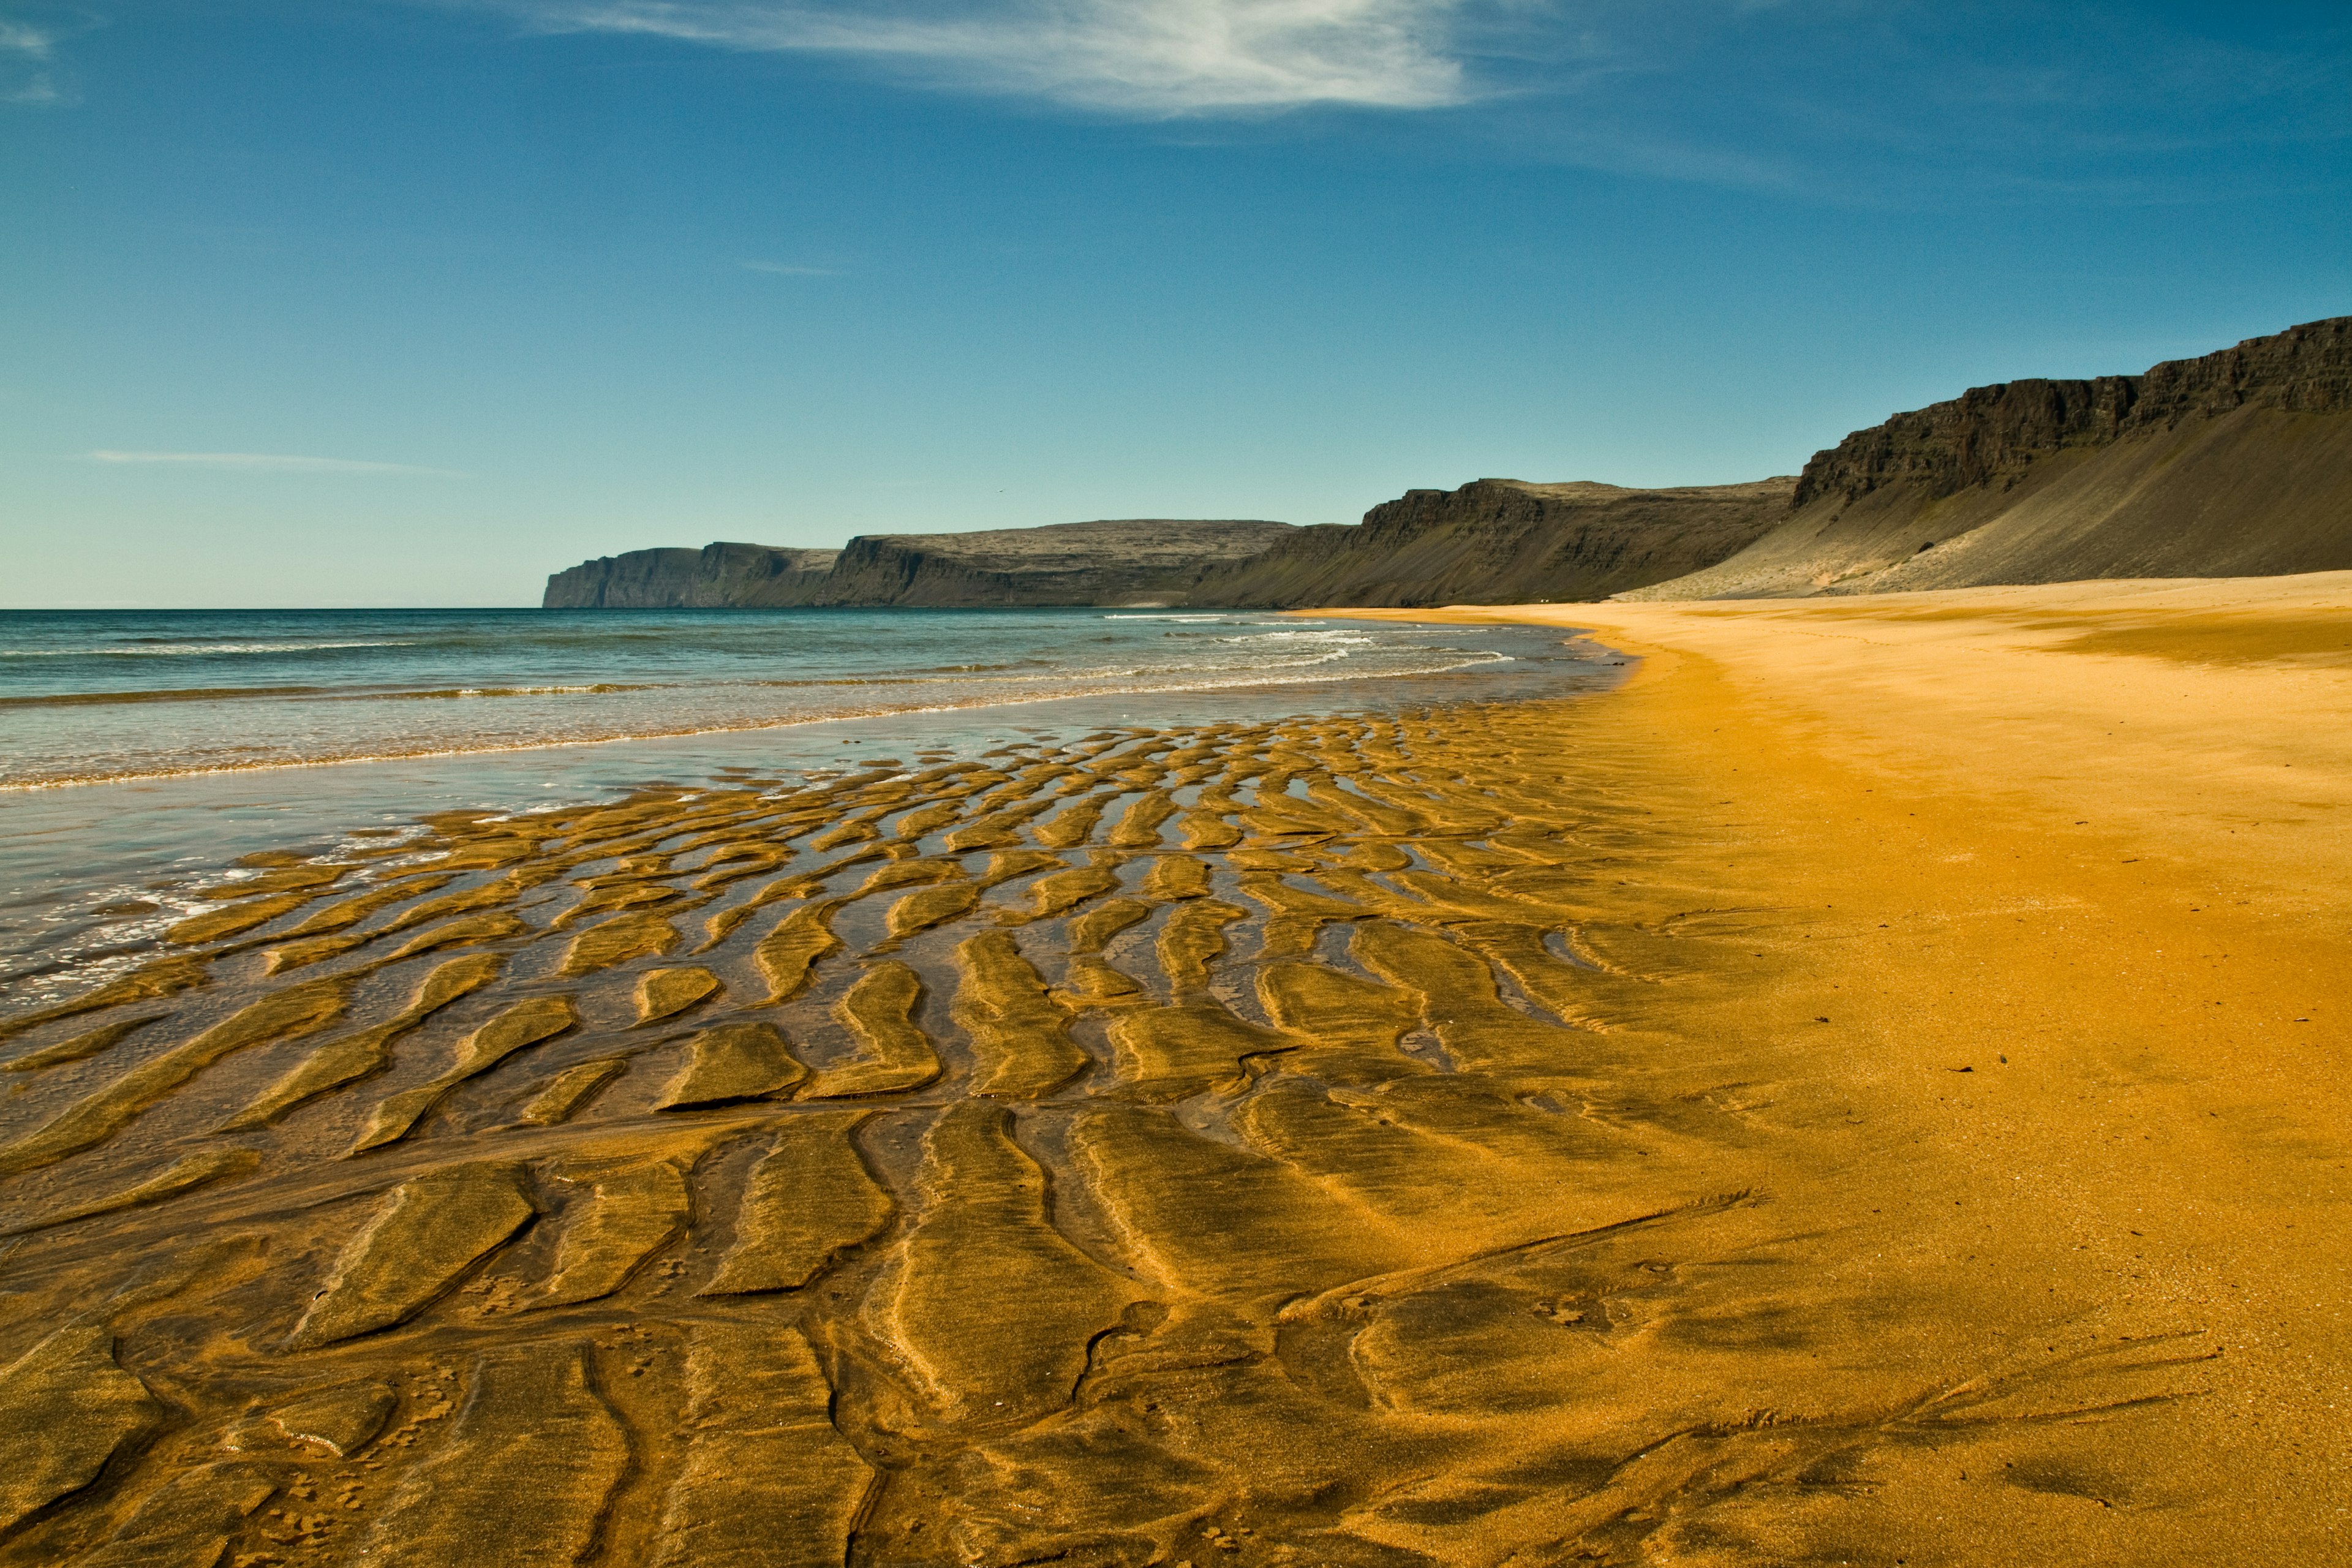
x=89 y=696
x=140 y=752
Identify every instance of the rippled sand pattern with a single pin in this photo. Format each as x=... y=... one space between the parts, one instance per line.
x=1241 y=1144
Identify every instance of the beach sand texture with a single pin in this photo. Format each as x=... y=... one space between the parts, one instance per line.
x=1869 y=1091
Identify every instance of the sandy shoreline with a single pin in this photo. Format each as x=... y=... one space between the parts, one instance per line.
x=1526 y=1132
x=2100 y=830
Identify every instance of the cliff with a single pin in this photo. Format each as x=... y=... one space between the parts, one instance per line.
x=2235 y=463
x=1138 y=561
x=717 y=576
x=1504 y=542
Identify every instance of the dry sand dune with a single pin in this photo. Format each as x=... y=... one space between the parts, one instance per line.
x=1868 y=1091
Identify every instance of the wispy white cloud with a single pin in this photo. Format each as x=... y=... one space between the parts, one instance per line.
x=781 y=270
x=268 y=463
x=1875 y=101
x=1150 y=57
x=28 y=65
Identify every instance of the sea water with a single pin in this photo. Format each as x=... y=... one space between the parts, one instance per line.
x=142 y=752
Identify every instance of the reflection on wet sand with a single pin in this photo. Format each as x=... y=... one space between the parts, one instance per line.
x=1242 y=1143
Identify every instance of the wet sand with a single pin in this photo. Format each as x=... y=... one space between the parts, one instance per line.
x=1795 y=1108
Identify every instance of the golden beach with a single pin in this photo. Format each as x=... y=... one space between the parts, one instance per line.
x=1865 y=1091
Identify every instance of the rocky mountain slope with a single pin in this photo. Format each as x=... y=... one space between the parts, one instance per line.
x=717 y=576
x=1504 y=540
x=2236 y=464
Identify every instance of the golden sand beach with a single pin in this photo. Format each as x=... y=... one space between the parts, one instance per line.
x=1867 y=1090
x=2045 y=899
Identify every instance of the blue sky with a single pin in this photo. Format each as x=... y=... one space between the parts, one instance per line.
x=413 y=301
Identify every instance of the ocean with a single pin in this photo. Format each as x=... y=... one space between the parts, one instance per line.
x=142 y=752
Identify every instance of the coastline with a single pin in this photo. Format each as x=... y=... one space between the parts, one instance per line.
x=2067 y=870
x=1513 y=1131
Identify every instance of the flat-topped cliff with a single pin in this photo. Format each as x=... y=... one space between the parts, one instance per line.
x=717 y=576
x=1134 y=561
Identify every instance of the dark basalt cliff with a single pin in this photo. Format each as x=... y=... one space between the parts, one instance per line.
x=717 y=576
x=1504 y=542
x=1991 y=433
x=2235 y=463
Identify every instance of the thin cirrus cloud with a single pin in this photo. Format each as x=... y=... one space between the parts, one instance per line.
x=267 y=463
x=1150 y=57
x=28 y=65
